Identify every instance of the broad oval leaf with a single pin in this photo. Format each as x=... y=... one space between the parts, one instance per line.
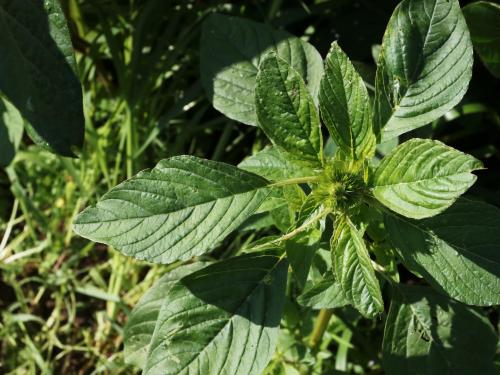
x=426 y=333
x=483 y=19
x=421 y=177
x=231 y=51
x=345 y=106
x=424 y=66
x=37 y=72
x=223 y=319
x=286 y=111
x=11 y=131
x=326 y=294
x=179 y=209
x=142 y=320
x=456 y=251
x=354 y=270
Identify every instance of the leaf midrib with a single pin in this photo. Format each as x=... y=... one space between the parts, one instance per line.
x=256 y=190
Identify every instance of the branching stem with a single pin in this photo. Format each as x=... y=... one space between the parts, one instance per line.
x=293 y=181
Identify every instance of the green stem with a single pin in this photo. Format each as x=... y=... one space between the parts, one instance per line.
x=293 y=181
x=9 y=227
x=130 y=145
x=275 y=7
x=342 y=351
x=223 y=140
x=320 y=327
x=76 y=15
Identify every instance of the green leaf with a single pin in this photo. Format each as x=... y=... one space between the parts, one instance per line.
x=345 y=106
x=426 y=333
x=286 y=111
x=273 y=200
x=223 y=319
x=327 y=294
x=456 y=251
x=283 y=218
x=300 y=251
x=11 y=131
x=421 y=177
x=308 y=210
x=142 y=320
x=386 y=257
x=257 y=221
x=37 y=70
x=231 y=51
x=483 y=19
x=273 y=165
x=424 y=66
x=181 y=208
x=354 y=270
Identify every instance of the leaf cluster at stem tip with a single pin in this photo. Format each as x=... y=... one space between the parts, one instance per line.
x=341 y=187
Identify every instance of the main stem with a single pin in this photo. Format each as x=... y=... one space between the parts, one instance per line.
x=130 y=144
x=320 y=327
